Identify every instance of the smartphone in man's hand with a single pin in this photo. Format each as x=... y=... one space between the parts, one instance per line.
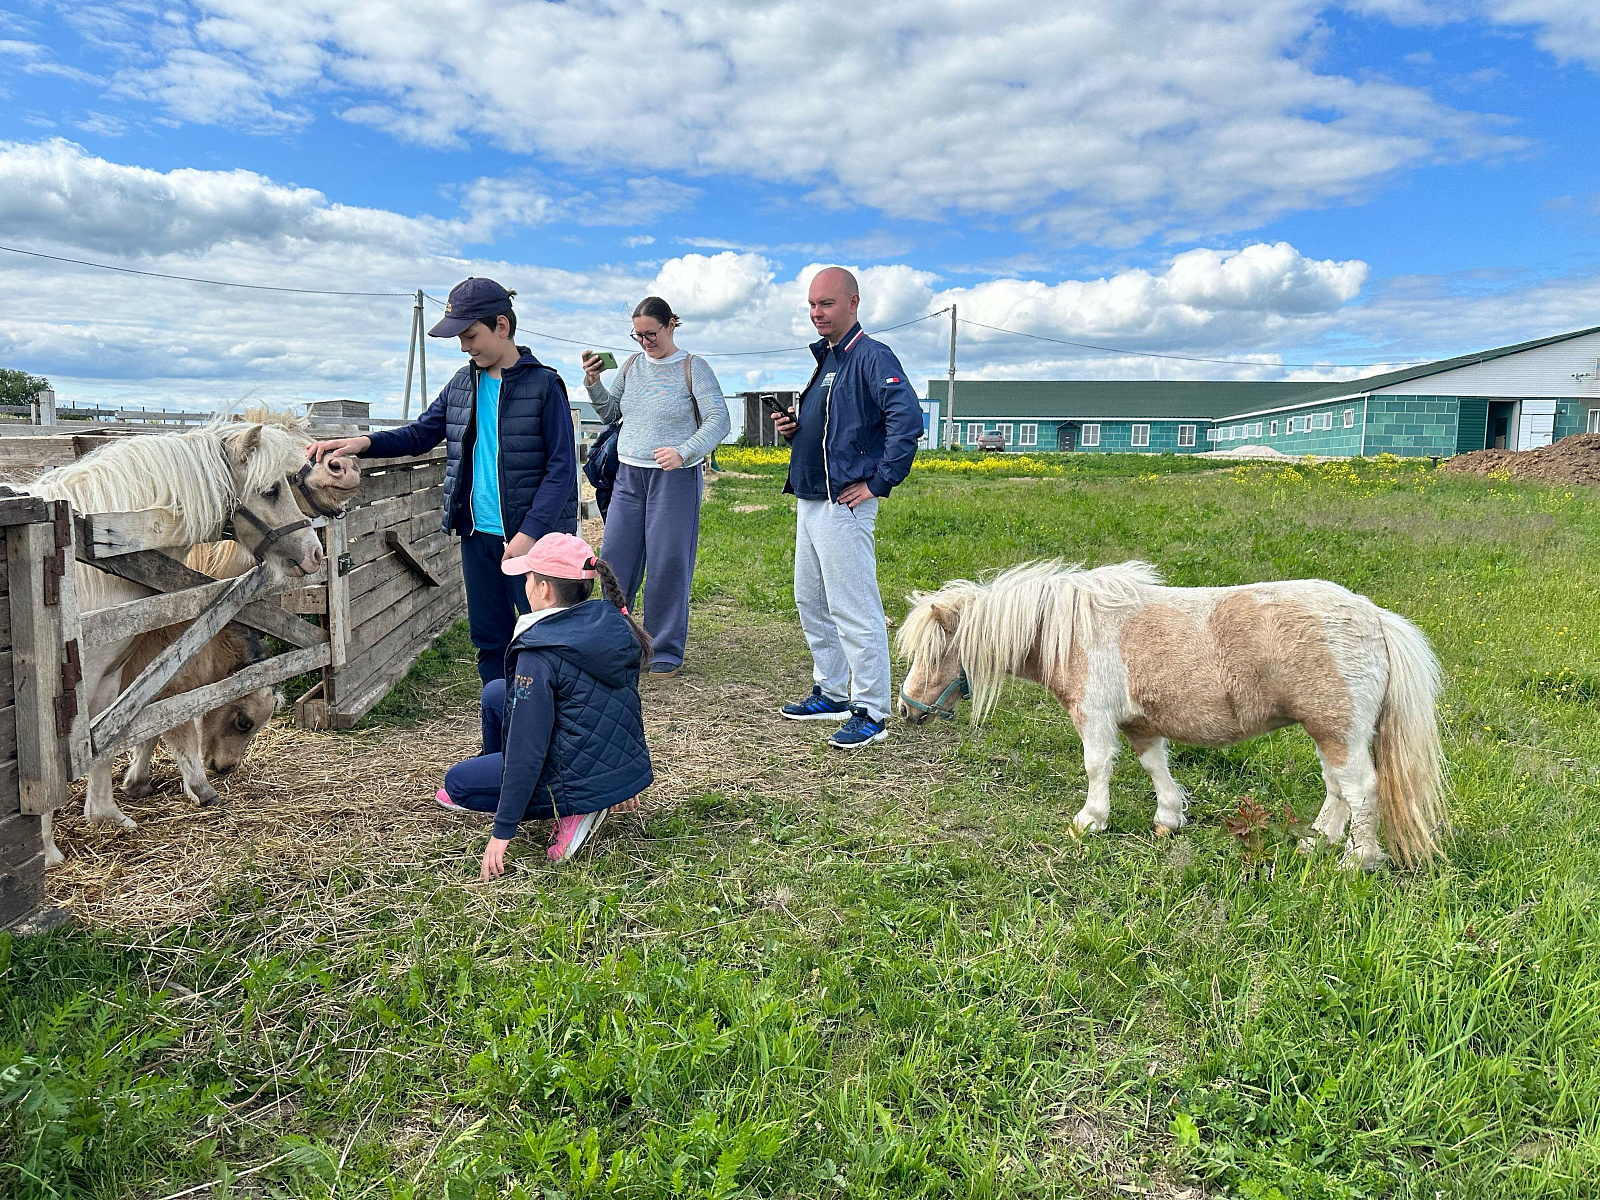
x=778 y=410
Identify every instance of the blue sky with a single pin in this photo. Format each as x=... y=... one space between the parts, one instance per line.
x=1307 y=190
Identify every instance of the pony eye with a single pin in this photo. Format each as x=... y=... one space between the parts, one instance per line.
x=273 y=492
x=243 y=723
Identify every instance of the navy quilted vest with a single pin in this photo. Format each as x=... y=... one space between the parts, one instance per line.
x=597 y=756
x=525 y=388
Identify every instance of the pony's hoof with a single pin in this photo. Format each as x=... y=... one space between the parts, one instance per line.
x=1165 y=831
x=53 y=857
x=1083 y=826
x=208 y=798
x=137 y=789
x=1355 y=860
x=115 y=817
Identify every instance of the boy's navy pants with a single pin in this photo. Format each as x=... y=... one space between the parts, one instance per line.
x=494 y=601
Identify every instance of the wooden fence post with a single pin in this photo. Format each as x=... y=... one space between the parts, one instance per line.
x=46 y=667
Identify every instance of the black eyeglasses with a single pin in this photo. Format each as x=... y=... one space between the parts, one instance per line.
x=646 y=339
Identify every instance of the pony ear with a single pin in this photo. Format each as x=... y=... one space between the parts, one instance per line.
x=947 y=615
x=245 y=442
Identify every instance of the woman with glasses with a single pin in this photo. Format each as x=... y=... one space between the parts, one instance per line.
x=673 y=415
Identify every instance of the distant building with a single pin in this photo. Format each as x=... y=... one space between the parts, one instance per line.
x=1515 y=397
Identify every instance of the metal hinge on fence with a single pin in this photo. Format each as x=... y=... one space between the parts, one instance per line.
x=55 y=565
x=71 y=677
x=346 y=564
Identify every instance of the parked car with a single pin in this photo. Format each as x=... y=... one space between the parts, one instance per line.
x=993 y=440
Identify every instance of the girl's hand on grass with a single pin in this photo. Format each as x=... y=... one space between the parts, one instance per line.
x=494 y=859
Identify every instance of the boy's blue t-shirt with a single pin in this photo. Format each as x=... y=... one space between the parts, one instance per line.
x=486 y=516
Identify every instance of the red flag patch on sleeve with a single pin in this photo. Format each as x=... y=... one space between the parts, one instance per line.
x=892 y=379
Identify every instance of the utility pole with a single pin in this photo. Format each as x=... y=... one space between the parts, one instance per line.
x=422 y=355
x=950 y=390
x=411 y=358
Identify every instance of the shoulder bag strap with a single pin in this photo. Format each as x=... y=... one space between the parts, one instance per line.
x=688 y=379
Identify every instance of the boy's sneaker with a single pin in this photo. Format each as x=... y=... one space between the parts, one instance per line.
x=573 y=833
x=860 y=730
x=817 y=707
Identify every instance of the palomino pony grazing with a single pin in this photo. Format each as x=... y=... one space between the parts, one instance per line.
x=200 y=481
x=1206 y=667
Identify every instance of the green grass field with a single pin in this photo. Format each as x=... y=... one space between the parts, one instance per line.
x=899 y=975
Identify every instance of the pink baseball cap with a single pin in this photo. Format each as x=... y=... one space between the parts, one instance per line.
x=556 y=555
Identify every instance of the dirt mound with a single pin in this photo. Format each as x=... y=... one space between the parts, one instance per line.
x=1573 y=459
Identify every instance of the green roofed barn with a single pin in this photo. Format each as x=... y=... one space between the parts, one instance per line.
x=1515 y=397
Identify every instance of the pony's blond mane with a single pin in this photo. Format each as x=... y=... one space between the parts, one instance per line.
x=1035 y=609
x=188 y=475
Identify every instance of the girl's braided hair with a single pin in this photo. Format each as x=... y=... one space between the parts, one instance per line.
x=575 y=591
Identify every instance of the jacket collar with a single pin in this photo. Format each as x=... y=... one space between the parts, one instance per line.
x=525 y=359
x=820 y=347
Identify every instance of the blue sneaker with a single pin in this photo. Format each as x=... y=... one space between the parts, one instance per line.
x=860 y=730
x=817 y=707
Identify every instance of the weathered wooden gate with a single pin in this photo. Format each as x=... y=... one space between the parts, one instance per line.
x=394 y=586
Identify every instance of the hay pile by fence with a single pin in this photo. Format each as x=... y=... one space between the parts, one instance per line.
x=1573 y=459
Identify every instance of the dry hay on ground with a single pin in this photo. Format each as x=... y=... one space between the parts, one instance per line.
x=1573 y=459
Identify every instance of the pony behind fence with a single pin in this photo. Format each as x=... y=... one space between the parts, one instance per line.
x=199 y=482
x=1207 y=667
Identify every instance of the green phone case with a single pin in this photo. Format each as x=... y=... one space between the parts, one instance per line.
x=608 y=360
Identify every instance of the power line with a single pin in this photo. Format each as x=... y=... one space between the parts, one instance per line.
x=254 y=287
x=1235 y=362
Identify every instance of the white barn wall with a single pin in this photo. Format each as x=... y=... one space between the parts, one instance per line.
x=1545 y=372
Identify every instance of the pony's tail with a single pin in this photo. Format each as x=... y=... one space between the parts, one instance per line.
x=611 y=589
x=1406 y=746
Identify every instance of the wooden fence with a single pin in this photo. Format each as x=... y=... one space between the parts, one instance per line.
x=390 y=584
x=395 y=585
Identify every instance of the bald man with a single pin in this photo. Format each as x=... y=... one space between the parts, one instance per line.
x=853 y=435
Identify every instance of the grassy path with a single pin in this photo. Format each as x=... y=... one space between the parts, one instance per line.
x=897 y=974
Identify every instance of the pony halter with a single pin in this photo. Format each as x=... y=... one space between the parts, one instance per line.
x=298 y=481
x=944 y=706
x=269 y=534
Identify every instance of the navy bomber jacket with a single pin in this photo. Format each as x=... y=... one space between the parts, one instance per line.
x=573 y=732
x=538 y=462
x=873 y=418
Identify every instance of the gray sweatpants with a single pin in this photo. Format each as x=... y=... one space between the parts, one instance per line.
x=836 y=590
x=652 y=533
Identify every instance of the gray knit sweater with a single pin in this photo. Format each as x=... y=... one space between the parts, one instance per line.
x=653 y=402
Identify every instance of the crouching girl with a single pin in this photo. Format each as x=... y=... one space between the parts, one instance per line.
x=562 y=733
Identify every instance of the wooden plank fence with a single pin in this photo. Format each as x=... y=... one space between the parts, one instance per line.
x=390 y=585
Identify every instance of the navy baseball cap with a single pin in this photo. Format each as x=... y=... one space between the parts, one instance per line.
x=472 y=299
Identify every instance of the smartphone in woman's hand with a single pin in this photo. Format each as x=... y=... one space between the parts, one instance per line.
x=608 y=360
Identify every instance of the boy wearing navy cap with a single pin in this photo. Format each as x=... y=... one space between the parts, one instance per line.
x=511 y=475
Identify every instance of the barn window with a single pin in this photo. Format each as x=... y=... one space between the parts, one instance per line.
x=1349 y=418
x=1141 y=435
x=1325 y=420
x=1091 y=435
x=1211 y=435
x=1274 y=430
x=1005 y=432
x=974 y=432
x=1594 y=420
x=1028 y=435
x=1185 y=435
x=1257 y=428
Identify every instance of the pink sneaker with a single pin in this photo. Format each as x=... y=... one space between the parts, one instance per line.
x=443 y=797
x=573 y=832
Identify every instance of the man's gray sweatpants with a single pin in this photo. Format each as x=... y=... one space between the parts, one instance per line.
x=836 y=590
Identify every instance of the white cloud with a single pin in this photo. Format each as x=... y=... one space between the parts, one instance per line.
x=56 y=192
x=1104 y=120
